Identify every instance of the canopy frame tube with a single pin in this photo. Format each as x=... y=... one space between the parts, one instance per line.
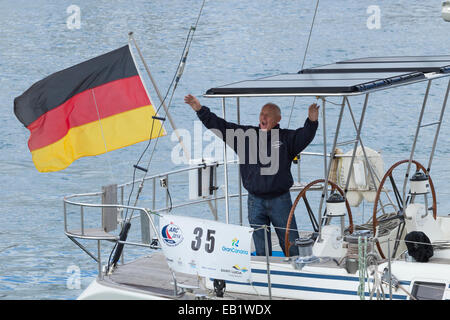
x=238 y=111
x=227 y=200
x=373 y=175
x=327 y=166
x=438 y=129
x=413 y=148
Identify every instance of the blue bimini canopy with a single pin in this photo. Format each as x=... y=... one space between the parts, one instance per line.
x=351 y=77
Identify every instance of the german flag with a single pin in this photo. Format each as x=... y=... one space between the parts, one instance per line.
x=91 y=108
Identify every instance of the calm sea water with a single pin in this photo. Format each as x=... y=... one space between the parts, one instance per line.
x=235 y=40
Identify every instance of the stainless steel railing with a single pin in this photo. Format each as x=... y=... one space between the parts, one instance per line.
x=147 y=215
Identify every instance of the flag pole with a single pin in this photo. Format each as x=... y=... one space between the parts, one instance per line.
x=172 y=123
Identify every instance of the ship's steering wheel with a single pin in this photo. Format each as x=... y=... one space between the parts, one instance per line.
x=398 y=196
x=312 y=216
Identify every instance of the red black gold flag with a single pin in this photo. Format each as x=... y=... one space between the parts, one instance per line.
x=91 y=108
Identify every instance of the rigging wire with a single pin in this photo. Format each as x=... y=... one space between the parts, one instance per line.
x=304 y=56
x=176 y=78
x=310 y=32
x=174 y=83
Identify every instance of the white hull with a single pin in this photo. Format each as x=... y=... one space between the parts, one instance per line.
x=98 y=290
x=320 y=281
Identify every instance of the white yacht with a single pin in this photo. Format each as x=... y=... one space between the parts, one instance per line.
x=402 y=252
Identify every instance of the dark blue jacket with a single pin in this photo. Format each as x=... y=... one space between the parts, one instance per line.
x=290 y=144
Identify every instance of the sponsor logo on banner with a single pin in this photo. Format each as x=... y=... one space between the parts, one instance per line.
x=234 y=271
x=193 y=264
x=172 y=234
x=206 y=248
x=236 y=267
x=234 y=248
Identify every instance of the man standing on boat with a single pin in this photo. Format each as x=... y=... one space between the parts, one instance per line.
x=265 y=171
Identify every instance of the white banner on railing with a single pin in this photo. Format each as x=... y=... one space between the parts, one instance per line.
x=207 y=248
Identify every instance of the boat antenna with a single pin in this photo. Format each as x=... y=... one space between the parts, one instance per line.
x=118 y=248
x=304 y=56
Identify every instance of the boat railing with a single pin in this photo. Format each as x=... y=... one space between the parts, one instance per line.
x=77 y=224
x=113 y=210
x=84 y=200
x=99 y=234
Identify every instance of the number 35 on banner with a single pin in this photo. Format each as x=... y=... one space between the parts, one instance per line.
x=206 y=248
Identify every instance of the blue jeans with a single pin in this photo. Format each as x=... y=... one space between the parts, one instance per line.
x=276 y=211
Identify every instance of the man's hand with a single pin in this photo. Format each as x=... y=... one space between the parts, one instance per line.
x=313 y=112
x=193 y=102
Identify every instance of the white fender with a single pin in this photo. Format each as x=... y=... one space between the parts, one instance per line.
x=361 y=185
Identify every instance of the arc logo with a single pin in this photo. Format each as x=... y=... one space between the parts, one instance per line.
x=172 y=234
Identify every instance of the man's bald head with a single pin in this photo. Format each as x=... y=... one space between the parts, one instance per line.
x=269 y=116
x=273 y=108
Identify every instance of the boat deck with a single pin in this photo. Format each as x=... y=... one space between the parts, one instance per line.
x=151 y=275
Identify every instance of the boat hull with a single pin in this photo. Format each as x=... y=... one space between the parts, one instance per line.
x=322 y=280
